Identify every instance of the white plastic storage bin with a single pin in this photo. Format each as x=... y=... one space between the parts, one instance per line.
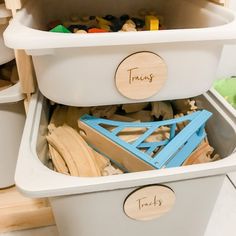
x=95 y=205
x=85 y=66
x=12 y=119
x=6 y=54
x=223 y=103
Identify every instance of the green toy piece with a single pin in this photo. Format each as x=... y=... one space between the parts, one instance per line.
x=227 y=89
x=60 y=29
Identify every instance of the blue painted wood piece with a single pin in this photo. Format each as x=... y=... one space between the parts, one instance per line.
x=174 y=150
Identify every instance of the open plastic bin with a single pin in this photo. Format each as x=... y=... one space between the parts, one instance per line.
x=84 y=66
x=6 y=54
x=12 y=120
x=95 y=206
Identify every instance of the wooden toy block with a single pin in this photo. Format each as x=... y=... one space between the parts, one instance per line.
x=101 y=161
x=131 y=156
x=181 y=125
x=184 y=105
x=160 y=134
x=66 y=115
x=103 y=21
x=73 y=114
x=122 y=118
x=81 y=32
x=105 y=165
x=129 y=26
x=58 y=117
x=14 y=5
x=110 y=170
x=18 y=212
x=135 y=107
x=103 y=111
x=131 y=134
x=143 y=116
x=162 y=109
x=202 y=154
x=152 y=23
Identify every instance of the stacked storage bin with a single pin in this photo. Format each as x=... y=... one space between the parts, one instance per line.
x=12 y=116
x=80 y=71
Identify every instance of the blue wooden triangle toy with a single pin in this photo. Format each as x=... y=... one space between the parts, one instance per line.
x=139 y=154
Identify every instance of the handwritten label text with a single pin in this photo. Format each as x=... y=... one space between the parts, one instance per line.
x=143 y=203
x=133 y=77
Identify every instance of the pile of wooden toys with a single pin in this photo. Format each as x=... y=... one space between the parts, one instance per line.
x=70 y=154
x=8 y=75
x=146 y=20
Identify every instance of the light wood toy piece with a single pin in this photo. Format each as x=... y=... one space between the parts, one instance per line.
x=69 y=115
x=110 y=170
x=184 y=105
x=131 y=134
x=26 y=74
x=66 y=115
x=103 y=111
x=122 y=118
x=18 y=212
x=143 y=116
x=181 y=125
x=203 y=154
x=13 y=5
x=162 y=109
x=130 y=108
x=101 y=161
x=58 y=161
x=73 y=114
x=74 y=150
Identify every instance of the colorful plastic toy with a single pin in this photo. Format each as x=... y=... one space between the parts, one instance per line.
x=139 y=154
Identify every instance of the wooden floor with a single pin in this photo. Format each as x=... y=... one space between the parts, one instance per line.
x=18 y=212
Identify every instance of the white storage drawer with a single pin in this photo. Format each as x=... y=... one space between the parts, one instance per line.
x=81 y=70
x=12 y=120
x=79 y=202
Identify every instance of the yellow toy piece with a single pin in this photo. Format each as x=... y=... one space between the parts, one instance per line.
x=152 y=23
x=102 y=21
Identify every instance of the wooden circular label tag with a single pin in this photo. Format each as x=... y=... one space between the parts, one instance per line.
x=149 y=202
x=141 y=75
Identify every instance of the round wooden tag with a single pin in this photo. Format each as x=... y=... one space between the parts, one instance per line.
x=149 y=202
x=141 y=75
